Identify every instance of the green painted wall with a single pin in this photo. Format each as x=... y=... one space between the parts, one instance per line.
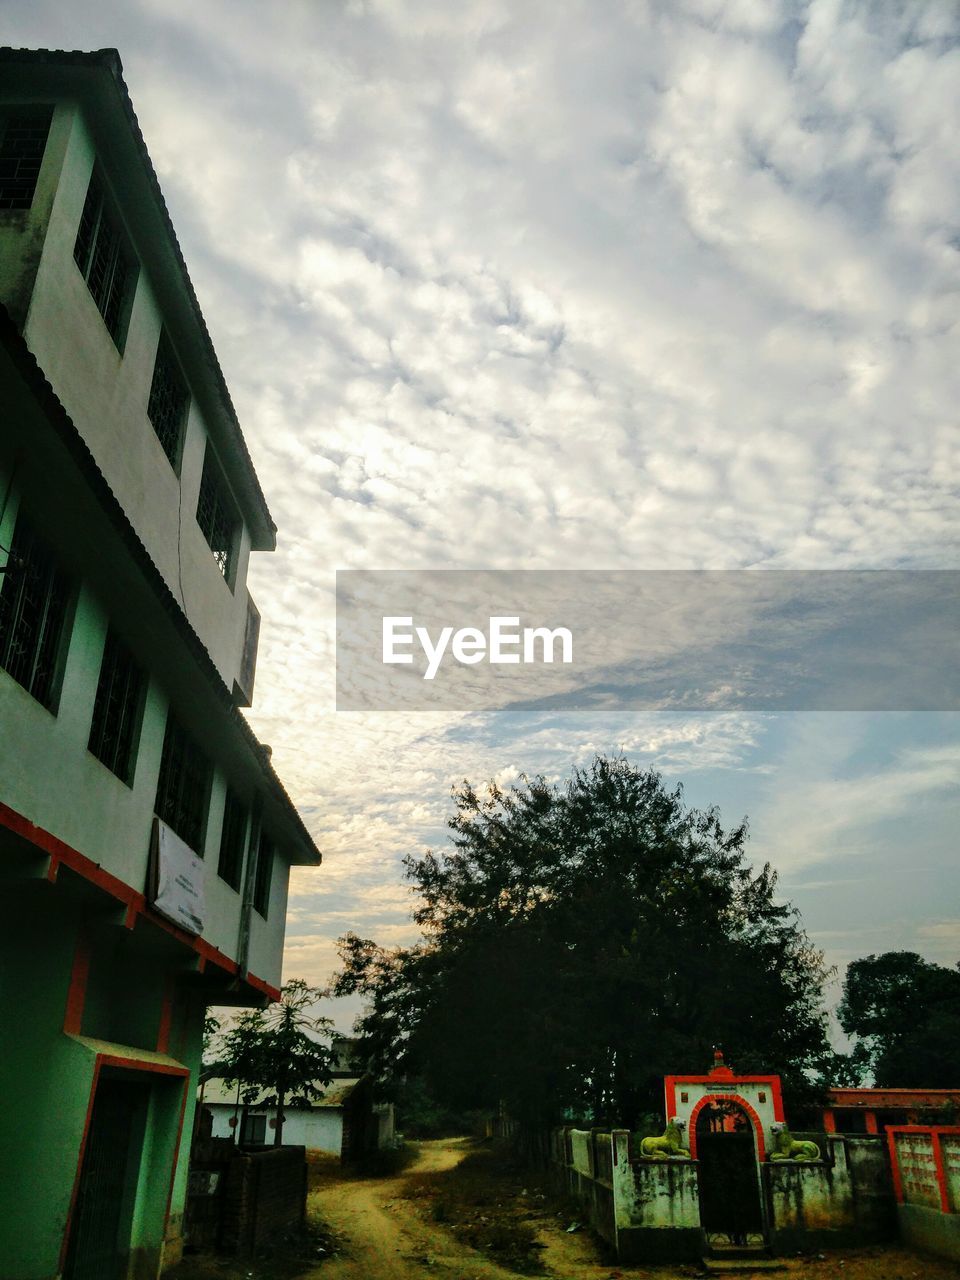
x=45 y=1080
x=48 y=1075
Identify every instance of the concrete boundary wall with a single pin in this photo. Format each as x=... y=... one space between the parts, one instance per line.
x=925 y=1163
x=648 y=1210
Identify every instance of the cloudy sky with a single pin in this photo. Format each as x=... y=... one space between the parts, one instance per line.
x=618 y=284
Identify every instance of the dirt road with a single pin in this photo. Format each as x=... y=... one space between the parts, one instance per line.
x=387 y=1239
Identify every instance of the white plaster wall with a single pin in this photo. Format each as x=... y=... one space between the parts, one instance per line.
x=106 y=392
x=222 y=1115
x=735 y=1091
x=320 y=1129
x=51 y=778
x=266 y=936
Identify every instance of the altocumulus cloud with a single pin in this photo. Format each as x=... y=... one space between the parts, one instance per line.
x=494 y=285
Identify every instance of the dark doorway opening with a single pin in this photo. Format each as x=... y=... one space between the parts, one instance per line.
x=102 y=1221
x=731 y=1211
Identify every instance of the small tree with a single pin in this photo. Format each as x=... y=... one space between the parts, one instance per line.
x=276 y=1049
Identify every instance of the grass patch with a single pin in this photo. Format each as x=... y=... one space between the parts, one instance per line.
x=489 y=1203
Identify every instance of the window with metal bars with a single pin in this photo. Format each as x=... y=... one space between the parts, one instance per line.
x=264 y=875
x=230 y=866
x=216 y=516
x=104 y=260
x=169 y=397
x=33 y=611
x=23 y=138
x=117 y=709
x=183 y=788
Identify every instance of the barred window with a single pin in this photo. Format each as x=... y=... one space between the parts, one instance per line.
x=167 y=406
x=261 y=885
x=183 y=788
x=33 y=610
x=216 y=517
x=24 y=137
x=230 y=867
x=117 y=709
x=103 y=259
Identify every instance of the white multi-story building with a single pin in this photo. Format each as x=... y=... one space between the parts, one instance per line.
x=145 y=840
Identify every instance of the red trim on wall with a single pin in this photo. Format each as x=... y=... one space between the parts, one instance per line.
x=829 y=1121
x=870 y=1120
x=128 y=1064
x=891 y=1099
x=894 y=1166
x=259 y=985
x=773 y=1082
x=141 y=1064
x=80 y=1155
x=941 y=1173
x=726 y=1097
x=936 y=1132
x=166 y=1017
x=77 y=991
x=137 y=906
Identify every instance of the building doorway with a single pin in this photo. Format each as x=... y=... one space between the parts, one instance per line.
x=102 y=1219
x=731 y=1211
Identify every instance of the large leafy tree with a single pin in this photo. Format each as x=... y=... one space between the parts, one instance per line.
x=579 y=943
x=275 y=1055
x=904 y=1015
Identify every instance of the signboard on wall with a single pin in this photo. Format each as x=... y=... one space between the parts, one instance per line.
x=918 y=1168
x=175 y=886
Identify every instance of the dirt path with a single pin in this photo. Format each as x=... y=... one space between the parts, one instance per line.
x=386 y=1237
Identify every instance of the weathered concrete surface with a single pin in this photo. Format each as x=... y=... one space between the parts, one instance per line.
x=930 y=1231
x=874 y=1204
x=810 y=1204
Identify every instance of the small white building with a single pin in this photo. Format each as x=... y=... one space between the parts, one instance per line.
x=343 y=1121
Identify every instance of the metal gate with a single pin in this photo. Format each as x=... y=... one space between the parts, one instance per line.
x=730 y=1208
x=100 y=1230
